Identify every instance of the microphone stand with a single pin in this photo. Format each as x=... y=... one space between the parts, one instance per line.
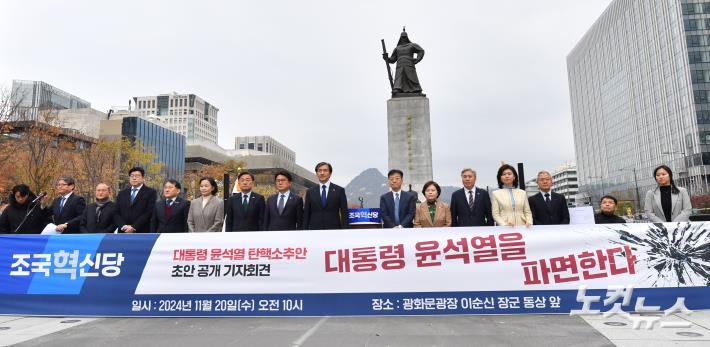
x=27 y=215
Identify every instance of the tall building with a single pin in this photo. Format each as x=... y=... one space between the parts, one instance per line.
x=168 y=145
x=639 y=83
x=564 y=181
x=188 y=114
x=264 y=144
x=32 y=96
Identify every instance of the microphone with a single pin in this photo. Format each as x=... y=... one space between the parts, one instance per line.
x=40 y=196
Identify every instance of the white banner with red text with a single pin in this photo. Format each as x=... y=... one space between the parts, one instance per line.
x=466 y=270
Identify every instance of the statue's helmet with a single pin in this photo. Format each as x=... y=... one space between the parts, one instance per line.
x=403 y=38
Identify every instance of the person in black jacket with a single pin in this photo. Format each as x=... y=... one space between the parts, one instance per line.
x=325 y=205
x=100 y=217
x=170 y=214
x=245 y=210
x=67 y=208
x=135 y=204
x=284 y=210
x=607 y=207
x=22 y=200
x=548 y=207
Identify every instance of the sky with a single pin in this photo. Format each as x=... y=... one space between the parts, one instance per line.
x=310 y=73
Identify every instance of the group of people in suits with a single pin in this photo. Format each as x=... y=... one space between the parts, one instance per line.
x=137 y=208
x=473 y=206
x=324 y=206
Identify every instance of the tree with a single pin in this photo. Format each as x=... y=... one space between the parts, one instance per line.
x=8 y=144
x=42 y=153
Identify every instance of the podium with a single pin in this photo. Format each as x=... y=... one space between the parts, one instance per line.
x=364 y=218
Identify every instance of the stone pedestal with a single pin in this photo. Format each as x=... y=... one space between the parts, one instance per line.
x=409 y=139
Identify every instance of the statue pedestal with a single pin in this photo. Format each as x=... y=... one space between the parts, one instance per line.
x=409 y=139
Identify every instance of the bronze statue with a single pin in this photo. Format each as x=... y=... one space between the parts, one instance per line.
x=406 y=82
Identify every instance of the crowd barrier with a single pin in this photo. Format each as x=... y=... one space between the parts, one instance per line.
x=483 y=270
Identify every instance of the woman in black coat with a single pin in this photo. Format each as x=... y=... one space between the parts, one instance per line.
x=20 y=203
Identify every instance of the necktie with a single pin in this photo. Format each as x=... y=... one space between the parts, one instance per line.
x=282 y=202
x=61 y=203
x=323 y=196
x=396 y=209
x=245 y=202
x=470 y=199
x=168 y=208
x=547 y=198
x=134 y=192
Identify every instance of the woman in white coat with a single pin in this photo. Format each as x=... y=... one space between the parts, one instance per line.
x=666 y=202
x=206 y=212
x=510 y=204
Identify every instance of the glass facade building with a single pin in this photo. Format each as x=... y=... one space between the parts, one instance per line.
x=167 y=144
x=188 y=114
x=32 y=96
x=639 y=81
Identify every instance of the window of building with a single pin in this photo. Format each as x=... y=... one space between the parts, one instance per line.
x=693 y=40
x=688 y=8
x=260 y=147
x=690 y=24
x=250 y=145
x=700 y=96
x=706 y=7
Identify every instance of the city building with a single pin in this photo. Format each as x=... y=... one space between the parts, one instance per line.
x=187 y=114
x=168 y=145
x=531 y=187
x=32 y=96
x=264 y=144
x=564 y=181
x=639 y=83
x=85 y=120
x=260 y=163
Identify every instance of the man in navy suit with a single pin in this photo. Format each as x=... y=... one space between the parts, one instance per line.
x=326 y=205
x=68 y=207
x=135 y=204
x=284 y=210
x=470 y=206
x=170 y=214
x=548 y=207
x=397 y=207
x=245 y=210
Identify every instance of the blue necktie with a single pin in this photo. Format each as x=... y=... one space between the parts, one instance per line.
x=323 y=196
x=281 y=204
x=62 y=200
x=396 y=209
x=134 y=192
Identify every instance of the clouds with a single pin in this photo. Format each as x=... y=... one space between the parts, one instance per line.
x=309 y=73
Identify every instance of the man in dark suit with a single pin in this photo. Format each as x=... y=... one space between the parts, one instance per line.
x=284 y=210
x=67 y=208
x=135 y=204
x=326 y=205
x=470 y=206
x=170 y=214
x=548 y=207
x=100 y=217
x=245 y=210
x=397 y=207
